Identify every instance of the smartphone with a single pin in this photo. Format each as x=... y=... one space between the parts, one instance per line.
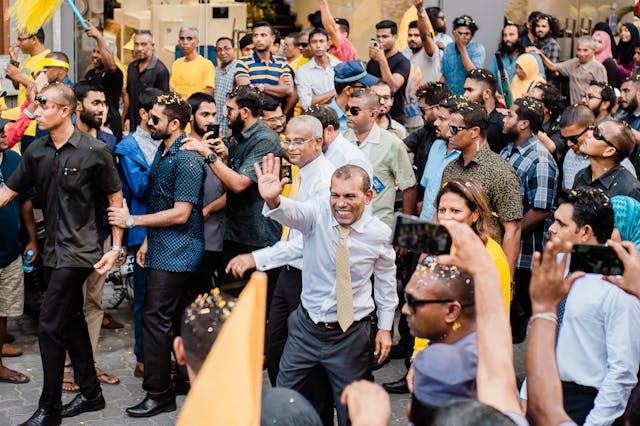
x=15 y=63
x=415 y=234
x=41 y=81
x=594 y=259
x=374 y=42
x=215 y=128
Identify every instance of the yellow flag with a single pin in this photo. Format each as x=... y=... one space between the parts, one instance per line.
x=229 y=385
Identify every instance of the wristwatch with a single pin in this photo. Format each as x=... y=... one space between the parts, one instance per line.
x=211 y=158
x=129 y=223
x=119 y=249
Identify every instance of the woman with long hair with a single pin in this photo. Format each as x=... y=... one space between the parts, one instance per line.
x=629 y=38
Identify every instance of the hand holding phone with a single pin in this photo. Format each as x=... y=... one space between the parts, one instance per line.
x=374 y=42
x=415 y=234
x=594 y=259
x=215 y=128
x=41 y=82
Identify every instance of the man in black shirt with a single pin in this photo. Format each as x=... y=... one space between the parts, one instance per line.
x=390 y=65
x=607 y=144
x=145 y=71
x=106 y=74
x=72 y=172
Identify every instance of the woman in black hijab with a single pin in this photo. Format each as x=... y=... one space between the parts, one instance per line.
x=629 y=38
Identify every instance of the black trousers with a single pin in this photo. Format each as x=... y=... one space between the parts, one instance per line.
x=578 y=400
x=286 y=298
x=62 y=328
x=159 y=318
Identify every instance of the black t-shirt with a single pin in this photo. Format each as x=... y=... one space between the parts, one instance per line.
x=398 y=64
x=495 y=138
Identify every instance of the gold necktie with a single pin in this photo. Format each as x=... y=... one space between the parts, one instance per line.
x=344 y=291
x=292 y=195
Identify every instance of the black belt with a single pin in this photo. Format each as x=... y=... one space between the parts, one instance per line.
x=332 y=325
x=291 y=268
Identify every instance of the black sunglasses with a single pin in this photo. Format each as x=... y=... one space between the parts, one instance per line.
x=155 y=119
x=597 y=134
x=353 y=110
x=303 y=44
x=454 y=130
x=412 y=303
x=574 y=138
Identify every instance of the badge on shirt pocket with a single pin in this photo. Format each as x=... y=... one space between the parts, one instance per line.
x=377 y=185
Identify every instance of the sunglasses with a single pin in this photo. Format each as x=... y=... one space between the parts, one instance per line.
x=355 y=111
x=574 y=138
x=303 y=45
x=154 y=119
x=42 y=101
x=597 y=135
x=454 y=130
x=412 y=303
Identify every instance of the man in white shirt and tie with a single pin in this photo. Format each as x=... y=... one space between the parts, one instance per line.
x=343 y=248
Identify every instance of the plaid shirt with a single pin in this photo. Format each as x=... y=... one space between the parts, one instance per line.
x=550 y=48
x=538 y=174
x=225 y=79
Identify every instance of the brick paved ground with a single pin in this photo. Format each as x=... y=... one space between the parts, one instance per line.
x=115 y=354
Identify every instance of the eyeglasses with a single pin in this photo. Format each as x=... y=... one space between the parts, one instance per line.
x=296 y=142
x=355 y=111
x=597 y=135
x=574 y=138
x=21 y=39
x=280 y=119
x=154 y=119
x=228 y=109
x=412 y=303
x=454 y=130
x=424 y=109
x=589 y=96
x=303 y=45
x=42 y=101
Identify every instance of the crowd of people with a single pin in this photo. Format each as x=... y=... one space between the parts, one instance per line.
x=291 y=156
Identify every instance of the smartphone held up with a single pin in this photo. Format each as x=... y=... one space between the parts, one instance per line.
x=415 y=234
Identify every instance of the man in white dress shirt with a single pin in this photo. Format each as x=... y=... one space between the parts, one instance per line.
x=343 y=248
x=598 y=347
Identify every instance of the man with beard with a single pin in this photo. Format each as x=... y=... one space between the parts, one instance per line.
x=600 y=98
x=146 y=70
x=538 y=174
x=384 y=120
x=421 y=50
x=629 y=110
x=268 y=73
x=314 y=79
x=225 y=77
x=390 y=65
x=172 y=249
x=106 y=74
x=546 y=27
x=439 y=22
x=461 y=57
x=510 y=50
x=272 y=115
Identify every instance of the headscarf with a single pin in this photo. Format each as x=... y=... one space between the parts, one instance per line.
x=626 y=49
x=532 y=77
x=626 y=216
x=603 y=26
x=605 y=53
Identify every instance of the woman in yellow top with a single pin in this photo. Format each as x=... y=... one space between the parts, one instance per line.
x=527 y=75
x=464 y=200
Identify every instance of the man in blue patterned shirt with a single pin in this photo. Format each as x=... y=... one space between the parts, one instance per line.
x=538 y=174
x=462 y=56
x=173 y=247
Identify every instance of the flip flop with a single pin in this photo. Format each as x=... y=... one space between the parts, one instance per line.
x=106 y=377
x=9 y=378
x=71 y=386
x=9 y=350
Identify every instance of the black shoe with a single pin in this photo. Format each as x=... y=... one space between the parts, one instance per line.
x=150 y=407
x=399 y=352
x=80 y=404
x=181 y=387
x=399 y=386
x=43 y=417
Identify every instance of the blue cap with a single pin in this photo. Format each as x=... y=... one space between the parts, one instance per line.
x=4 y=122
x=353 y=71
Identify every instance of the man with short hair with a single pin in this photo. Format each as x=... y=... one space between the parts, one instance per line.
x=348 y=76
x=629 y=107
x=481 y=86
x=600 y=97
x=538 y=174
x=467 y=127
x=56 y=66
x=293 y=51
x=388 y=64
x=172 y=249
x=193 y=72
x=384 y=120
x=146 y=70
x=510 y=49
x=338 y=30
x=74 y=170
x=268 y=73
x=461 y=57
x=272 y=114
x=225 y=77
x=597 y=346
x=106 y=73
x=332 y=325
x=314 y=79
x=606 y=145
x=581 y=70
x=386 y=152
x=422 y=50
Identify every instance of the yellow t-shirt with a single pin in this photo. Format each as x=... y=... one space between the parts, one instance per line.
x=194 y=76
x=500 y=260
x=30 y=66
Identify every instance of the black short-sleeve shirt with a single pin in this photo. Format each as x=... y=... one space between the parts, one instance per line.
x=616 y=181
x=398 y=64
x=155 y=75
x=72 y=182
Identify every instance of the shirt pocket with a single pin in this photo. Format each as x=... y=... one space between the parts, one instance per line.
x=73 y=178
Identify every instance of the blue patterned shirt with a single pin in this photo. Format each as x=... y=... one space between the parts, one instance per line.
x=538 y=174
x=176 y=176
x=452 y=68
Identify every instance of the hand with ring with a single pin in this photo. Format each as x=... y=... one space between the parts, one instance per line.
x=240 y=264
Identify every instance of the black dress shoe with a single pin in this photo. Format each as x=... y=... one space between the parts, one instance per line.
x=80 y=404
x=399 y=386
x=399 y=352
x=150 y=407
x=43 y=417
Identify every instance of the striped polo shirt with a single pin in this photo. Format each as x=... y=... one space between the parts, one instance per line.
x=260 y=72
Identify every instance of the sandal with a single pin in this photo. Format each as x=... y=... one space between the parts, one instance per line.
x=9 y=350
x=69 y=384
x=106 y=377
x=11 y=378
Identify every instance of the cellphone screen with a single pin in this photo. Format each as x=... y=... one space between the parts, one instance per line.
x=595 y=260
x=215 y=128
x=420 y=236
